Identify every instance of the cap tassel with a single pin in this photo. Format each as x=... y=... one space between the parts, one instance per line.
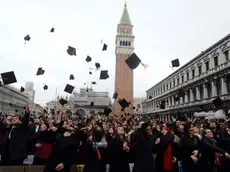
x=73 y=52
x=171 y=67
x=145 y=65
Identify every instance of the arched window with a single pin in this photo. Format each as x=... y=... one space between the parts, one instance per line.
x=123 y=43
x=138 y=106
x=126 y=43
x=129 y=43
x=120 y=43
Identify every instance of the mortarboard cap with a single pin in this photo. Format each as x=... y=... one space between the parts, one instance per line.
x=27 y=38
x=150 y=97
x=145 y=119
x=40 y=71
x=175 y=63
x=123 y=103
x=90 y=73
x=16 y=110
x=217 y=102
x=104 y=47
x=62 y=101
x=91 y=104
x=115 y=95
x=181 y=92
x=69 y=89
x=107 y=111
x=45 y=87
x=71 y=51
x=94 y=83
x=8 y=78
x=162 y=105
x=71 y=77
x=97 y=65
x=52 y=29
x=88 y=59
x=22 y=89
x=133 y=61
x=134 y=108
x=10 y=104
x=104 y=74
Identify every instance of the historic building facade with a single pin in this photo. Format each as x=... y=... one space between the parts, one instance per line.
x=203 y=79
x=124 y=48
x=12 y=99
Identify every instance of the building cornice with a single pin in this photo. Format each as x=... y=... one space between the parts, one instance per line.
x=202 y=54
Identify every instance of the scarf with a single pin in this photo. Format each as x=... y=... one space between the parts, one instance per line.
x=168 y=158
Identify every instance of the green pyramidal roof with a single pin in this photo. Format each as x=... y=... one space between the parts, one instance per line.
x=125 y=19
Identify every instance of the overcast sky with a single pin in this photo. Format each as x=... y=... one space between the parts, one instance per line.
x=163 y=29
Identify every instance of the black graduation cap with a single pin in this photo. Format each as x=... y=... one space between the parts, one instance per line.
x=16 y=110
x=10 y=104
x=123 y=103
x=94 y=83
x=27 y=38
x=62 y=101
x=107 y=111
x=88 y=59
x=69 y=89
x=91 y=104
x=45 y=87
x=145 y=119
x=22 y=89
x=40 y=71
x=134 y=108
x=104 y=74
x=122 y=109
x=52 y=29
x=71 y=77
x=71 y=51
x=115 y=95
x=97 y=65
x=181 y=92
x=150 y=97
x=217 y=102
x=133 y=61
x=175 y=63
x=90 y=73
x=8 y=78
x=104 y=47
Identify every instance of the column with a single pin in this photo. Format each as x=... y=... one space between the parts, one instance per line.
x=169 y=102
x=191 y=96
x=213 y=88
x=186 y=98
x=197 y=93
x=223 y=85
x=205 y=90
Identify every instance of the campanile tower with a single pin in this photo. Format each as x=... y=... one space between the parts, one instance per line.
x=124 y=48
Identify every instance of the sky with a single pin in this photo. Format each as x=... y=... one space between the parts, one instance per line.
x=164 y=30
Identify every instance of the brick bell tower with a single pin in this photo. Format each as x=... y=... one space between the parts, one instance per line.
x=124 y=48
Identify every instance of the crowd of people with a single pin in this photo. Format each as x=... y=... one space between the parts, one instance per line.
x=117 y=140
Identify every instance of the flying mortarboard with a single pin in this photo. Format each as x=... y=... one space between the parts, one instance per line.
x=217 y=102
x=71 y=77
x=88 y=59
x=40 y=71
x=123 y=103
x=104 y=47
x=91 y=104
x=115 y=95
x=69 y=89
x=27 y=38
x=71 y=51
x=22 y=89
x=90 y=73
x=97 y=65
x=134 y=108
x=104 y=74
x=133 y=61
x=8 y=78
x=52 y=29
x=107 y=111
x=175 y=63
x=94 y=83
x=45 y=87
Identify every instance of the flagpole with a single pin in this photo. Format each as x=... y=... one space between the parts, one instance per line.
x=56 y=94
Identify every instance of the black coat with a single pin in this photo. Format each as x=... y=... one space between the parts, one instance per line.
x=225 y=144
x=64 y=151
x=119 y=158
x=93 y=164
x=15 y=148
x=145 y=148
